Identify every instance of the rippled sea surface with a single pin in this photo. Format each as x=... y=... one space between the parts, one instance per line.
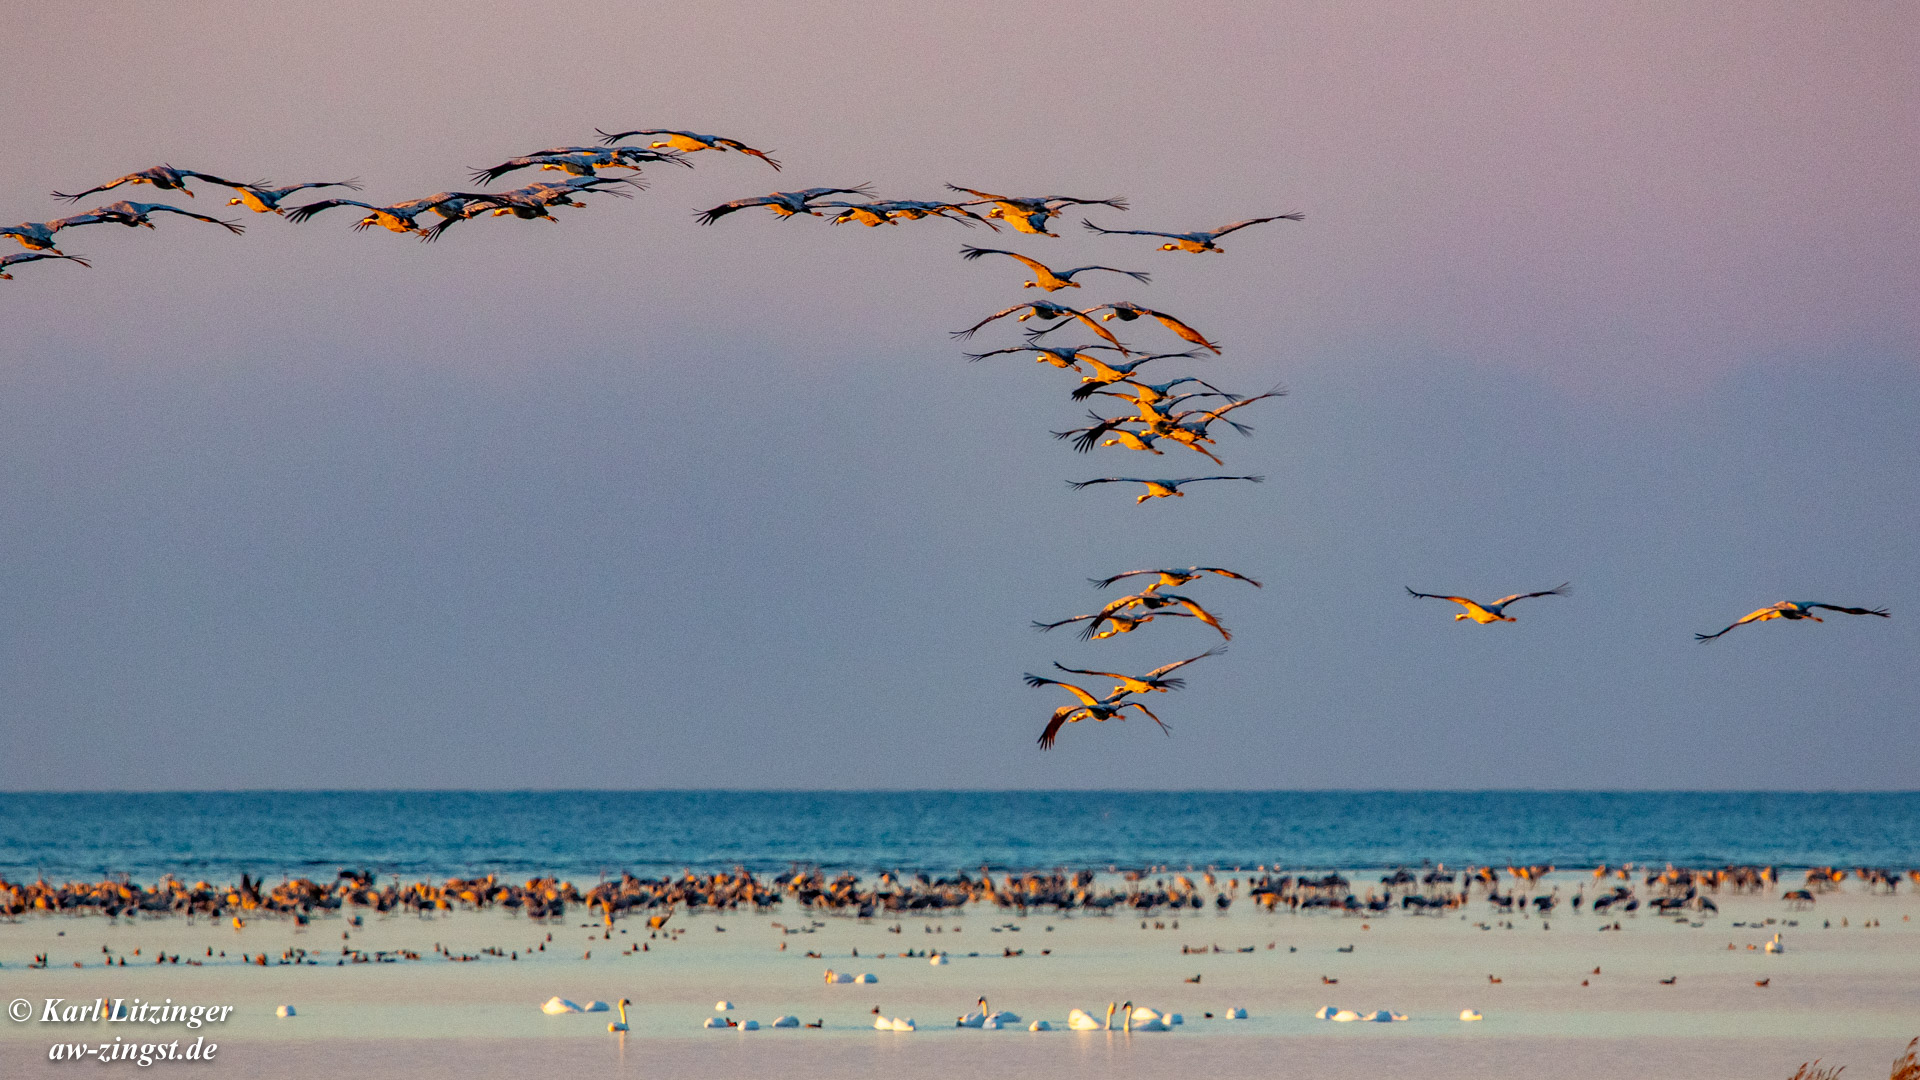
x=218 y=835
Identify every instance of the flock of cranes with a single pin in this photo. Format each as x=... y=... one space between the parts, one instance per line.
x=1180 y=413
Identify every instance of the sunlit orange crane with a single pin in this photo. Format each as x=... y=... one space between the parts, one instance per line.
x=1155 y=681
x=1175 y=577
x=1029 y=214
x=687 y=142
x=784 y=204
x=1795 y=609
x=1494 y=612
x=163 y=177
x=20 y=257
x=1090 y=708
x=1042 y=309
x=1127 y=312
x=1044 y=277
x=1158 y=489
x=262 y=199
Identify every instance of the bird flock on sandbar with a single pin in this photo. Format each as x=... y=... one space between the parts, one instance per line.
x=1181 y=414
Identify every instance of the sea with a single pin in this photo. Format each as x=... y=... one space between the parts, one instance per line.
x=581 y=835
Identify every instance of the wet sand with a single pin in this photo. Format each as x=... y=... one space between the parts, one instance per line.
x=1849 y=994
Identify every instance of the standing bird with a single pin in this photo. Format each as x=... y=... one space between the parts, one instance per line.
x=687 y=142
x=785 y=204
x=1795 y=609
x=1159 y=489
x=1099 y=710
x=262 y=199
x=134 y=215
x=1127 y=312
x=1193 y=241
x=1487 y=613
x=33 y=256
x=1029 y=214
x=1153 y=681
x=1045 y=310
x=163 y=177
x=1044 y=277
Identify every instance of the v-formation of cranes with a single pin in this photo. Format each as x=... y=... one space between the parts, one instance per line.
x=1161 y=419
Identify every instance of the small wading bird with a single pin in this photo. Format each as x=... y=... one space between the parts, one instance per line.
x=1488 y=613
x=1159 y=489
x=1155 y=681
x=1127 y=312
x=1030 y=214
x=1090 y=708
x=1795 y=609
x=1044 y=277
x=784 y=204
x=33 y=256
x=262 y=199
x=134 y=215
x=1193 y=241
x=686 y=142
x=163 y=177
x=1041 y=309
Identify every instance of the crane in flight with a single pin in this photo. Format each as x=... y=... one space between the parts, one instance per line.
x=1193 y=241
x=19 y=257
x=1158 y=488
x=38 y=235
x=1090 y=708
x=1494 y=612
x=785 y=204
x=1155 y=681
x=1175 y=577
x=1127 y=312
x=1795 y=609
x=265 y=199
x=1047 y=311
x=1045 y=277
x=1029 y=214
x=687 y=142
x=162 y=177
x=134 y=215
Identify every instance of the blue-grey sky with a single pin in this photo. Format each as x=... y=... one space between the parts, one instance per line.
x=1611 y=293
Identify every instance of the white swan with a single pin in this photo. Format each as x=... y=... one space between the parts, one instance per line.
x=1236 y=1013
x=284 y=1011
x=621 y=1024
x=1346 y=1016
x=557 y=1005
x=787 y=1022
x=937 y=959
x=1042 y=1025
x=903 y=1025
x=1472 y=1014
x=723 y=1005
x=749 y=1025
x=974 y=1019
x=1326 y=1012
x=1002 y=1017
x=596 y=1006
x=866 y=977
x=1142 y=1018
x=1080 y=1020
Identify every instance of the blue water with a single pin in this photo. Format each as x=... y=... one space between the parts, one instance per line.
x=583 y=834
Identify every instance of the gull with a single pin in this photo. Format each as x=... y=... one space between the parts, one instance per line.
x=38 y=235
x=1175 y=577
x=1044 y=277
x=785 y=204
x=1158 y=489
x=163 y=177
x=1090 y=707
x=687 y=142
x=1153 y=681
x=1488 y=613
x=1042 y=309
x=1127 y=312
x=34 y=256
x=1795 y=609
x=262 y=199
x=1193 y=241
x=134 y=214
x=1030 y=214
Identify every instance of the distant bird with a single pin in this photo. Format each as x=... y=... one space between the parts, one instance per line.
x=1158 y=489
x=893 y=211
x=1488 y=613
x=1146 y=393
x=1042 y=309
x=134 y=215
x=1795 y=609
x=1669 y=980
x=1153 y=681
x=687 y=142
x=1127 y=312
x=1193 y=241
x=1104 y=372
x=262 y=199
x=580 y=161
x=1763 y=982
x=1174 y=578
x=1044 y=277
x=535 y=200
x=33 y=256
x=163 y=177
x=1099 y=710
x=785 y=204
x=1122 y=623
x=1029 y=214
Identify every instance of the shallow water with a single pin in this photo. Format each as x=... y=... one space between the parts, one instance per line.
x=582 y=834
